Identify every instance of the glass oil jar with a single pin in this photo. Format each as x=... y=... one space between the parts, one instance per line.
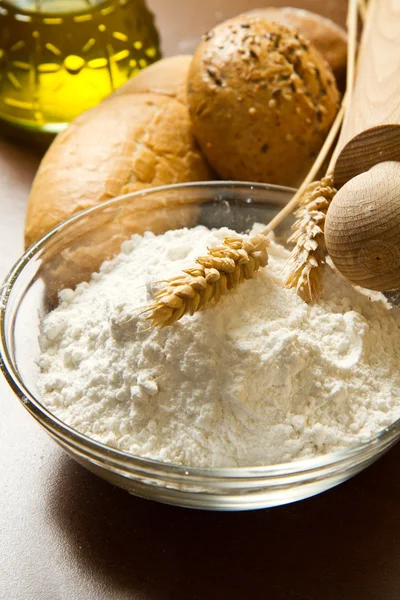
x=60 y=57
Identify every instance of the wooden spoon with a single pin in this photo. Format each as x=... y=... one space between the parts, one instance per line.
x=362 y=229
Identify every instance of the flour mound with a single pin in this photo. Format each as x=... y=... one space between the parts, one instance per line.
x=260 y=378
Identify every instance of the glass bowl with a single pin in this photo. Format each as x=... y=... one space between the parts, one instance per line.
x=67 y=255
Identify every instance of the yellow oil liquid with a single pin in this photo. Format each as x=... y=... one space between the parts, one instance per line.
x=60 y=57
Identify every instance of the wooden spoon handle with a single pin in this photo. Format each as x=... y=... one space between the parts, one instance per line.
x=371 y=129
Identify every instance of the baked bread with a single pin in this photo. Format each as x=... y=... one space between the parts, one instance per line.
x=167 y=77
x=131 y=141
x=326 y=36
x=261 y=99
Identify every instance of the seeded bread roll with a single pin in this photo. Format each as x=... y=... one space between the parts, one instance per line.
x=326 y=36
x=131 y=141
x=261 y=99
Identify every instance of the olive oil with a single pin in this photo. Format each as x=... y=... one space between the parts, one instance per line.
x=60 y=57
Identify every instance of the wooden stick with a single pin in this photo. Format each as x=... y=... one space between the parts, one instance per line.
x=371 y=128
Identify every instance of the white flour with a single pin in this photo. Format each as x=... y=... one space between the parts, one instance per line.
x=261 y=378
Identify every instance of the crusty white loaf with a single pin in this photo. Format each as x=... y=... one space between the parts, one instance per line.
x=139 y=137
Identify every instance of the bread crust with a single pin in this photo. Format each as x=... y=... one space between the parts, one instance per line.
x=133 y=140
x=261 y=99
x=166 y=77
x=326 y=36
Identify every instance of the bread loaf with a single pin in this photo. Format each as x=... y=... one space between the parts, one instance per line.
x=326 y=36
x=166 y=77
x=261 y=99
x=139 y=137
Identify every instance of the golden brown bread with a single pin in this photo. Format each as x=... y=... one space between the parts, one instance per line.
x=166 y=77
x=326 y=36
x=131 y=141
x=261 y=99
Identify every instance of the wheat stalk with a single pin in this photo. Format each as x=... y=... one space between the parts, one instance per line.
x=363 y=8
x=221 y=270
x=238 y=258
x=197 y=287
x=307 y=259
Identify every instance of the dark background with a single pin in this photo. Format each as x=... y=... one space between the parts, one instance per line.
x=66 y=535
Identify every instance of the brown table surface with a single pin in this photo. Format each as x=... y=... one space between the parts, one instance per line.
x=66 y=535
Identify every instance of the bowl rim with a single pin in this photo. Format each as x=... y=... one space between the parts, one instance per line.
x=379 y=442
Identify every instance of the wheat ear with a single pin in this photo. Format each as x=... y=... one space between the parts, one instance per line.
x=221 y=270
x=235 y=260
x=227 y=265
x=307 y=259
